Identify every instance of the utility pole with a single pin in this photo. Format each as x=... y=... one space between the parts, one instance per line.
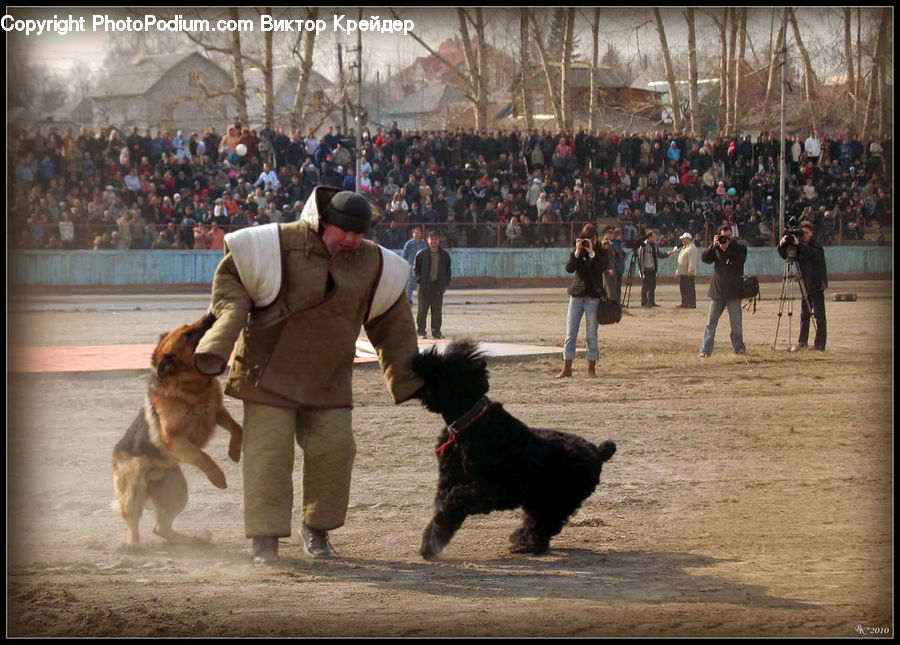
x=358 y=108
x=782 y=179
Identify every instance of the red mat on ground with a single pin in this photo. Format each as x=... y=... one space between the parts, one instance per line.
x=103 y=358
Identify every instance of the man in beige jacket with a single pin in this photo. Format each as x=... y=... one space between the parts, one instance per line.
x=294 y=297
x=686 y=271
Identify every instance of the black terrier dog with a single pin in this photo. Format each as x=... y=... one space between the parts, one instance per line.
x=488 y=460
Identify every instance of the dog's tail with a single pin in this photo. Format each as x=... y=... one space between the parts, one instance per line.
x=605 y=450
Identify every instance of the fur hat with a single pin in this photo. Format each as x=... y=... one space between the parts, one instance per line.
x=349 y=211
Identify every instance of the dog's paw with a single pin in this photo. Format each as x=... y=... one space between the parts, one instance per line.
x=218 y=479
x=433 y=541
x=205 y=538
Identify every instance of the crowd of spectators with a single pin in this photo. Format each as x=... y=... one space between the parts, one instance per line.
x=106 y=190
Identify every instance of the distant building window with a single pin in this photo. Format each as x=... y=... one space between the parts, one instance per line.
x=194 y=78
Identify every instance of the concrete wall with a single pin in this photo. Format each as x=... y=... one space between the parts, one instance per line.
x=109 y=268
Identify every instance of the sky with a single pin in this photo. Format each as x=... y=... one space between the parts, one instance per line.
x=435 y=24
x=60 y=52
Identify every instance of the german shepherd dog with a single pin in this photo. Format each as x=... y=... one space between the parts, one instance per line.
x=180 y=412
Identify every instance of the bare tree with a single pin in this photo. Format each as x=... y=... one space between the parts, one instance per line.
x=884 y=102
x=722 y=24
x=848 y=56
x=592 y=107
x=692 y=71
x=878 y=62
x=670 y=73
x=548 y=75
x=268 y=76
x=80 y=77
x=475 y=62
x=305 y=68
x=527 y=107
x=774 y=54
x=474 y=79
x=731 y=14
x=237 y=73
x=858 y=90
x=809 y=74
x=739 y=64
x=235 y=53
x=564 y=74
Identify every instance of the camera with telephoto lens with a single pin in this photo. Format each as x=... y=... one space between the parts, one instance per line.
x=792 y=232
x=792 y=237
x=635 y=244
x=585 y=243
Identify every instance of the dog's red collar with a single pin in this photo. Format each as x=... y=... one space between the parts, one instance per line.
x=467 y=419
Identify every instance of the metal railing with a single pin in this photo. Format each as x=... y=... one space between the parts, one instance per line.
x=392 y=235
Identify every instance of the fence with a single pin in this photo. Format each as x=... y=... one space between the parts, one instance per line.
x=455 y=234
x=171 y=267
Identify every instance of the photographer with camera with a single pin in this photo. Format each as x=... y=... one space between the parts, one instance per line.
x=810 y=258
x=588 y=263
x=728 y=258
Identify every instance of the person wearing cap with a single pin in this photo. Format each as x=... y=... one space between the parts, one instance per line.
x=686 y=270
x=293 y=297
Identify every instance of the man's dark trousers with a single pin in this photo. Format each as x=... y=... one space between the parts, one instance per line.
x=648 y=288
x=432 y=299
x=817 y=299
x=688 y=291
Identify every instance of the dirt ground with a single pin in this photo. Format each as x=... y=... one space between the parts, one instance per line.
x=750 y=495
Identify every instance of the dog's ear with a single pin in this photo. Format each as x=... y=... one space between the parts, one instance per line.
x=167 y=366
x=422 y=364
x=206 y=323
x=425 y=363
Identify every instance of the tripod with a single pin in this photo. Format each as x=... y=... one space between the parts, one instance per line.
x=629 y=276
x=787 y=292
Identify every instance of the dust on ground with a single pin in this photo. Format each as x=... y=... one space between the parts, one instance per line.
x=749 y=496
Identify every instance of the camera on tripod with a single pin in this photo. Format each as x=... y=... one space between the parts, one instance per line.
x=636 y=243
x=792 y=232
x=791 y=239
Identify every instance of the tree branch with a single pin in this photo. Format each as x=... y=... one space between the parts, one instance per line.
x=431 y=51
